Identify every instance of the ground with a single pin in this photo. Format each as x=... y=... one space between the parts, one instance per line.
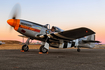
x=57 y=59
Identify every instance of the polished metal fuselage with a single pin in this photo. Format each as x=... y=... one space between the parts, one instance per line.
x=31 y=29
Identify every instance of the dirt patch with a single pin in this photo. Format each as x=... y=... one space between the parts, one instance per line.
x=11 y=41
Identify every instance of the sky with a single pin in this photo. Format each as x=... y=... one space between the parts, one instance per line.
x=66 y=14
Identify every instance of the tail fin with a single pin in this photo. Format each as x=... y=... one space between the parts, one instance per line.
x=88 y=41
x=91 y=39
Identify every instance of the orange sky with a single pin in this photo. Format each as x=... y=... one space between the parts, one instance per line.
x=66 y=14
x=13 y=35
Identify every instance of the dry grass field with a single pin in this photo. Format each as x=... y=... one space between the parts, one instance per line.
x=16 y=46
x=12 y=44
x=100 y=46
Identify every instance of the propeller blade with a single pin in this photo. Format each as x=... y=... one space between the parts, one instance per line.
x=15 y=12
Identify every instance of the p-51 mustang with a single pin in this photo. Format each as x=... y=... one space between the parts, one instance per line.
x=56 y=37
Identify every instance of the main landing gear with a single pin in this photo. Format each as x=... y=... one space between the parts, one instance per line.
x=25 y=47
x=45 y=47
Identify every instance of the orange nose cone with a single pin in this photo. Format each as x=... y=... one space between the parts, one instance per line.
x=14 y=23
x=11 y=22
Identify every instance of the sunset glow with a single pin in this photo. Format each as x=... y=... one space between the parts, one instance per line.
x=66 y=14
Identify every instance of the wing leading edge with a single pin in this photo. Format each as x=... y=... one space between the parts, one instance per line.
x=73 y=34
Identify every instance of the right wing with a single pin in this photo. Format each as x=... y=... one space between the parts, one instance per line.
x=70 y=34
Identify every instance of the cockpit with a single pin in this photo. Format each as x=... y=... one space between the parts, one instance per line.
x=53 y=29
x=57 y=29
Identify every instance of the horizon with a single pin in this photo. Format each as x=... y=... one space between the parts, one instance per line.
x=66 y=15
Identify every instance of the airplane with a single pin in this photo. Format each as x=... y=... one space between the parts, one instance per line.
x=2 y=42
x=58 y=38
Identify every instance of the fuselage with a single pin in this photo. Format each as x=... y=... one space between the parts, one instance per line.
x=31 y=29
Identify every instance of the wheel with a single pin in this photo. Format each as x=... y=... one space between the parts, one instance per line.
x=43 y=50
x=78 y=50
x=25 y=48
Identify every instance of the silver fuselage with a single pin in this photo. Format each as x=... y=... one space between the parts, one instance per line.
x=31 y=30
x=39 y=29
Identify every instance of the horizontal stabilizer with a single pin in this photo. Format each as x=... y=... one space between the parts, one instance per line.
x=91 y=41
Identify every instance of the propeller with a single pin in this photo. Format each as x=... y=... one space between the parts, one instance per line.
x=14 y=20
x=15 y=12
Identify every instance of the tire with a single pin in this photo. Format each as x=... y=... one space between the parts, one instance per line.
x=43 y=50
x=25 y=48
x=78 y=50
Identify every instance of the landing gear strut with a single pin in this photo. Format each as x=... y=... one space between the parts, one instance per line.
x=25 y=47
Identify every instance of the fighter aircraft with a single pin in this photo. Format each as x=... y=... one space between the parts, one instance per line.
x=55 y=37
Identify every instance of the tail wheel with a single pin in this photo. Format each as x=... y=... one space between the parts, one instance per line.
x=25 y=48
x=78 y=50
x=43 y=49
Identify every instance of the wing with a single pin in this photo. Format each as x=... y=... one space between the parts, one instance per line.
x=71 y=34
x=74 y=33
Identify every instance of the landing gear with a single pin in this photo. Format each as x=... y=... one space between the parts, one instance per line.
x=43 y=49
x=78 y=50
x=25 y=48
